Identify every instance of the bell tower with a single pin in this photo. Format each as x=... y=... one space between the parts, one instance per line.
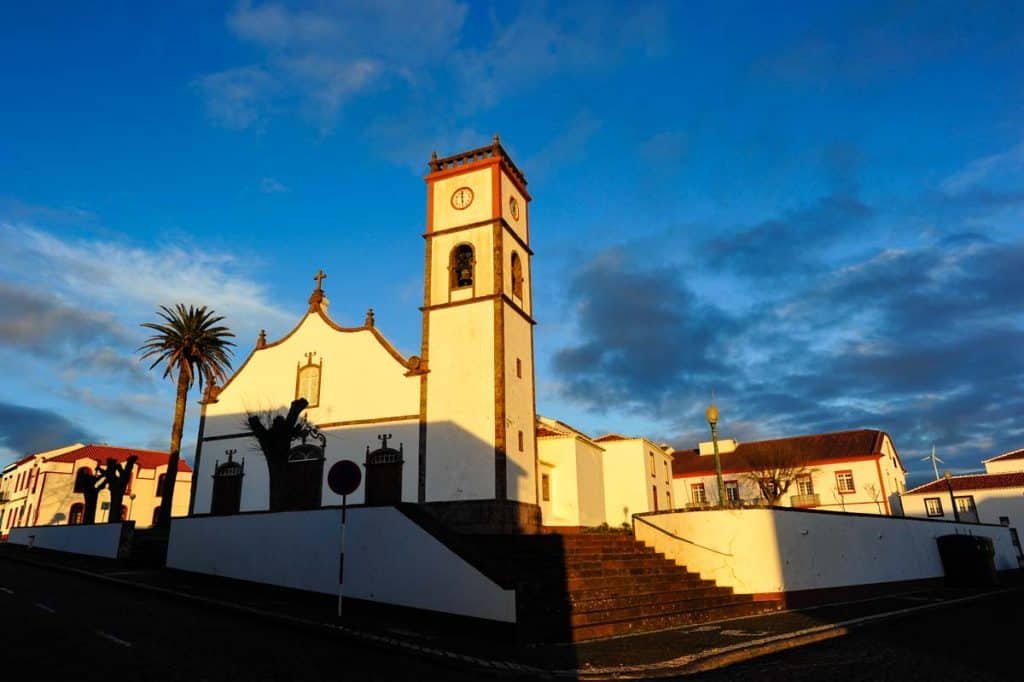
x=477 y=437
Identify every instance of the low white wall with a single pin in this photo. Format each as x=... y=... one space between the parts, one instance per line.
x=388 y=558
x=101 y=539
x=770 y=550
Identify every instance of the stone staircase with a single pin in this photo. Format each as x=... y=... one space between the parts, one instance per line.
x=580 y=586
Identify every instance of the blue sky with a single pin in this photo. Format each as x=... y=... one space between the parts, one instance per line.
x=815 y=210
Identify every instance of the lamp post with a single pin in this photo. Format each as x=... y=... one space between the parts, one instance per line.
x=952 y=500
x=712 y=415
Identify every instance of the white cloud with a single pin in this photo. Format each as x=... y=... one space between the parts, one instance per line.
x=235 y=97
x=978 y=171
x=273 y=186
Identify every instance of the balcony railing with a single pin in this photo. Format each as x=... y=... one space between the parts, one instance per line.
x=811 y=500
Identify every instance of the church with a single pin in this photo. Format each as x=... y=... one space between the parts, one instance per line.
x=453 y=427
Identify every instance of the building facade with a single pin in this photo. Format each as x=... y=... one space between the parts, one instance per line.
x=854 y=471
x=454 y=424
x=42 y=489
x=996 y=496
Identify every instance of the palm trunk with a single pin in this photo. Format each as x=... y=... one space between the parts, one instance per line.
x=164 y=520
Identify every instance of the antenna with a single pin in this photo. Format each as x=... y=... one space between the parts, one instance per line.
x=934 y=460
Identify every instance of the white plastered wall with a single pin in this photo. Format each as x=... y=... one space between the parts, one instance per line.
x=101 y=539
x=991 y=503
x=758 y=551
x=388 y=558
x=480 y=180
x=519 y=412
x=626 y=477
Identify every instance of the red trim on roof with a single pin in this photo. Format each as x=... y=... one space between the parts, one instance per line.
x=972 y=482
x=841 y=446
x=148 y=459
x=1012 y=454
x=609 y=437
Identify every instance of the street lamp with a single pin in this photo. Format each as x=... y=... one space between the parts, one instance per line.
x=712 y=415
x=952 y=500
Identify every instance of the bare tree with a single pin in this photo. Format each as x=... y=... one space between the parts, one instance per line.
x=116 y=478
x=774 y=469
x=275 y=435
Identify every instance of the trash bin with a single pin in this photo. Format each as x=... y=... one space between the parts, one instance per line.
x=968 y=560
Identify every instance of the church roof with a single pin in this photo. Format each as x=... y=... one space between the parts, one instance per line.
x=548 y=427
x=148 y=459
x=816 y=447
x=972 y=482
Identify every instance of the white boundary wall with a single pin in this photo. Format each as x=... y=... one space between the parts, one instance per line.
x=388 y=558
x=101 y=539
x=757 y=551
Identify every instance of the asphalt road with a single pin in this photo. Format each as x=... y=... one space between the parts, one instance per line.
x=57 y=626
x=976 y=641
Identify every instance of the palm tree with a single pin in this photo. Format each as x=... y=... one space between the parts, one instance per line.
x=194 y=348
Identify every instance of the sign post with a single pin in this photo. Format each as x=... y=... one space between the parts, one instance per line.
x=343 y=478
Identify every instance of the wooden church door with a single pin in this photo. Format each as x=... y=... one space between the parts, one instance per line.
x=305 y=477
x=227 y=488
x=384 y=474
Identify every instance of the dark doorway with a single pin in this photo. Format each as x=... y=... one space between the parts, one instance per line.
x=384 y=474
x=227 y=488
x=305 y=477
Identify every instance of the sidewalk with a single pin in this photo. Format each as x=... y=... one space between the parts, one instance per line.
x=672 y=652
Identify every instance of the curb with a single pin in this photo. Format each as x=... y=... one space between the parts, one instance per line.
x=691 y=664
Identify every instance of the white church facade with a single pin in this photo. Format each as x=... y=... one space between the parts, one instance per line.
x=461 y=414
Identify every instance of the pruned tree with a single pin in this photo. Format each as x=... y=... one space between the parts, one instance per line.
x=89 y=484
x=275 y=434
x=116 y=477
x=774 y=469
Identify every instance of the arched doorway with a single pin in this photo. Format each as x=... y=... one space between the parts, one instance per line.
x=305 y=477
x=227 y=487
x=384 y=474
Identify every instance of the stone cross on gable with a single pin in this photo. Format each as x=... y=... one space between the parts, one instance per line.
x=320 y=276
x=384 y=438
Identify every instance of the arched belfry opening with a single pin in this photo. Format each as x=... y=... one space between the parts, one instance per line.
x=227 y=486
x=384 y=474
x=461 y=266
x=517 y=276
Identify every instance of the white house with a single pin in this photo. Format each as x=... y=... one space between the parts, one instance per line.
x=572 y=476
x=637 y=477
x=996 y=496
x=855 y=471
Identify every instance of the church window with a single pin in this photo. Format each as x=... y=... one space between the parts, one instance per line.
x=461 y=266
x=545 y=487
x=517 y=276
x=76 y=514
x=520 y=441
x=307 y=381
x=519 y=368
x=654 y=493
x=82 y=479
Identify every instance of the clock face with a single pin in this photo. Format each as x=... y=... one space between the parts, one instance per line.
x=462 y=198
x=513 y=208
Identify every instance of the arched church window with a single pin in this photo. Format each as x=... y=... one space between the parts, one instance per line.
x=82 y=479
x=307 y=381
x=461 y=266
x=227 y=487
x=517 y=276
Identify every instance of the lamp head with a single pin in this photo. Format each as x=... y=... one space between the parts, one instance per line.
x=712 y=414
x=946 y=475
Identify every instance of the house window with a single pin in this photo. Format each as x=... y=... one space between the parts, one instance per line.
x=667 y=477
x=160 y=485
x=697 y=493
x=668 y=500
x=844 y=482
x=517 y=276
x=82 y=479
x=654 y=496
x=654 y=471
x=1004 y=520
x=520 y=441
x=124 y=513
x=76 y=514
x=968 y=512
x=519 y=368
x=732 y=491
x=35 y=480
x=461 y=266
x=933 y=506
x=307 y=381
x=804 y=486
x=545 y=487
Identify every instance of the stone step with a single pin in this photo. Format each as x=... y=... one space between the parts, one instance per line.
x=658 y=609
x=628 y=577
x=661 y=622
x=644 y=598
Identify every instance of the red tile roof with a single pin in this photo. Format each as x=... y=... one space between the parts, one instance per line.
x=972 y=482
x=611 y=436
x=817 y=447
x=542 y=432
x=1012 y=454
x=148 y=459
